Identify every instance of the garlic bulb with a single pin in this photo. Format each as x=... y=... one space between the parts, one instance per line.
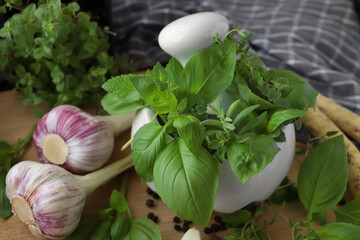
x=49 y=199
x=75 y=140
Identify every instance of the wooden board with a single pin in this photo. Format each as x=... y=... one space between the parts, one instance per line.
x=16 y=121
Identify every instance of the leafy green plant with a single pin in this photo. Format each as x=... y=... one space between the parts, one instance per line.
x=322 y=181
x=55 y=53
x=185 y=166
x=116 y=222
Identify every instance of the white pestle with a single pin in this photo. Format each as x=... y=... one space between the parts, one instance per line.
x=186 y=36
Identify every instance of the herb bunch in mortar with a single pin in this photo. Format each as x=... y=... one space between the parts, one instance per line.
x=185 y=167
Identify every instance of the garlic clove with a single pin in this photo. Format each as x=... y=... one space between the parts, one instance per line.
x=192 y=234
x=75 y=140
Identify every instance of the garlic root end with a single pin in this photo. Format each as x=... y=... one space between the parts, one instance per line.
x=22 y=209
x=55 y=149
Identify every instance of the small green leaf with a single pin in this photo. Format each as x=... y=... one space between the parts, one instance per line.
x=159 y=72
x=323 y=175
x=148 y=142
x=73 y=6
x=202 y=72
x=144 y=229
x=5 y=205
x=244 y=113
x=118 y=201
x=160 y=101
x=250 y=157
x=115 y=106
x=255 y=125
x=121 y=226
x=102 y=231
x=191 y=131
x=280 y=116
x=173 y=71
x=349 y=213
x=339 y=231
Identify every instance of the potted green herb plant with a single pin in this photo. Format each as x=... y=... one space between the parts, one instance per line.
x=185 y=142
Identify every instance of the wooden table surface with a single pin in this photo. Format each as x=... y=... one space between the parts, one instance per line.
x=16 y=121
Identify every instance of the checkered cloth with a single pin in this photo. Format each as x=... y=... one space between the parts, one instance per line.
x=318 y=39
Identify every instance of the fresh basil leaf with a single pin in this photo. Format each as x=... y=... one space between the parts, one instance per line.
x=173 y=70
x=186 y=182
x=237 y=218
x=323 y=175
x=349 y=213
x=148 y=142
x=191 y=131
x=159 y=72
x=339 y=231
x=115 y=106
x=119 y=86
x=102 y=232
x=120 y=227
x=5 y=205
x=204 y=70
x=280 y=116
x=160 y=101
x=118 y=201
x=83 y=231
x=144 y=229
x=301 y=95
x=257 y=124
x=250 y=157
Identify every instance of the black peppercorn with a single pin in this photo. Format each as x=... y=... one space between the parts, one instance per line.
x=156 y=196
x=223 y=226
x=149 y=191
x=207 y=230
x=187 y=222
x=155 y=219
x=214 y=227
x=150 y=215
x=185 y=227
x=176 y=219
x=217 y=219
x=177 y=227
x=149 y=203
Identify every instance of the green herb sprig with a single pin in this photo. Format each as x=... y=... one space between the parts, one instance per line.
x=116 y=222
x=321 y=183
x=243 y=127
x=54 y=53
x=9 y=155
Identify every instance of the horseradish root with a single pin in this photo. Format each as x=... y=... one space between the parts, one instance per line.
x=49 y=199
x=319 y=124
x=76 y=140
x=345 y=119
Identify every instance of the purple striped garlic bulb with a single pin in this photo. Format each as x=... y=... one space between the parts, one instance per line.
x=77 y=141
x=49 y=199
